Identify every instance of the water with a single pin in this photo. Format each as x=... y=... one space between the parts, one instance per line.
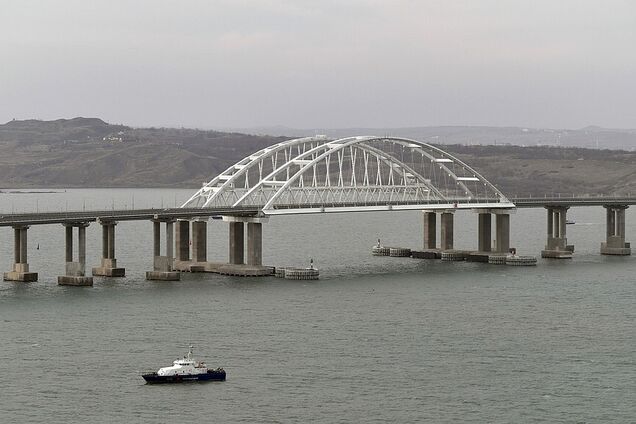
x=376 y=339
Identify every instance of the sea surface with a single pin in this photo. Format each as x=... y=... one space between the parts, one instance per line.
x=376 y=339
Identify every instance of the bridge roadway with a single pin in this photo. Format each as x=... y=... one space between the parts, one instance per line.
x=69 y=217
x=37 y=218
x=189 y=240
x=542 y=202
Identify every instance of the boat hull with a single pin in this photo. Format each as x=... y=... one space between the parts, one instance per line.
x=211 y=375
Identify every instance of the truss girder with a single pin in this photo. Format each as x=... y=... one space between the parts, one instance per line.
x=316 y=174
x=228 y=178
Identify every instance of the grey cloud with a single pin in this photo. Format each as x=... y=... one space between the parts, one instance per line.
x=321 y=63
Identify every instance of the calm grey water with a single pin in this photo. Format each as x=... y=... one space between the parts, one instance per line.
x=375 y=340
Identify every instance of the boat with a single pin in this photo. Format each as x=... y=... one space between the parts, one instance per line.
x=184 y=370
x=570 y=221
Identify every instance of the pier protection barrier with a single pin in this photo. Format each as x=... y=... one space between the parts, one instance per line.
x=478 y=257
x=380 y=251
x=289 y=273
x=454 y=255
x=497 y=259
x=518 y=260
x=513 y=260
x=399 y=252
x=237 y=270
x=396 y=252
x=426 y=254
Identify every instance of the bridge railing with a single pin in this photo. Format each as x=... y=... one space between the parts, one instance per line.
x=573 y=201
x=572 y=195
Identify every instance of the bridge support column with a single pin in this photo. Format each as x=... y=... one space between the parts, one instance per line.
x=502 y=238
x=108 y=266
x=430 y=230
x=20 y=270
x=237 y=265
x=170 y=242
x=237 y=240
x=557 y=246
x=254 y=243
x=163 y=266
x=156 y=238
x=199 y=241
x=182 y=241
x=484 y=232
x=615 y=230
x=486 y=247
x=198 y=262
x=75 y=274
x=446 y=232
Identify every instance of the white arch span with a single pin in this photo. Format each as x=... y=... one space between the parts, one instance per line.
x=317 y=174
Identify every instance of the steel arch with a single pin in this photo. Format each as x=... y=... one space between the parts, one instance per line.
x=225 y=179
x=404 y=174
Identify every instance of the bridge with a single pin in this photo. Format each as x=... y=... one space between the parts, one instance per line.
x=542 y=202
x=354 y=174
x=316 y=175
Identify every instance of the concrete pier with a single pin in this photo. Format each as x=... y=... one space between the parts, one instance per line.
x=108 y=266
x=237 y=266
x=446 y=231
x=254 y=243
x=163 y=266
x=198 y=261
x=199 y=241
x=182 y=241
x=237 y=243
x=502 y=232
x=20 y=270
x=195 y=260
x=556 y=246
x=75 y=274
x=484 y=232
x=430 y=230
x=615 y=232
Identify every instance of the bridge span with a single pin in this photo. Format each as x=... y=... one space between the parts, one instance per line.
x=544 y=202
x=315 y=175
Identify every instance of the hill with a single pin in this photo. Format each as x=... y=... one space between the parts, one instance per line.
x=541 y=170
x=88 y=152
x=590 y=137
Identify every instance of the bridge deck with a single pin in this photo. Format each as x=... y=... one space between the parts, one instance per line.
x=539 y=202
x=7 y=220
x=119 y=215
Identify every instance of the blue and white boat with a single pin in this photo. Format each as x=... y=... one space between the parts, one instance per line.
x=185 y=370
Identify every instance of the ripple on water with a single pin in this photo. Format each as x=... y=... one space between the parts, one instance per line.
x=375 y=340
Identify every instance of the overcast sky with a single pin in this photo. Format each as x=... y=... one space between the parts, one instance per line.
x=321 y=63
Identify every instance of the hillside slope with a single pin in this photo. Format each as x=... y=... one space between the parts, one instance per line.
x=87 y=152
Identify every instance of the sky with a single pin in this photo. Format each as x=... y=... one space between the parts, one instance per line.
x=321 y=63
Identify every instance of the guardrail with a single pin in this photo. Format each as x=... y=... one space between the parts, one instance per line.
x=118 y=215
x=36 y=218
x=538 y=202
